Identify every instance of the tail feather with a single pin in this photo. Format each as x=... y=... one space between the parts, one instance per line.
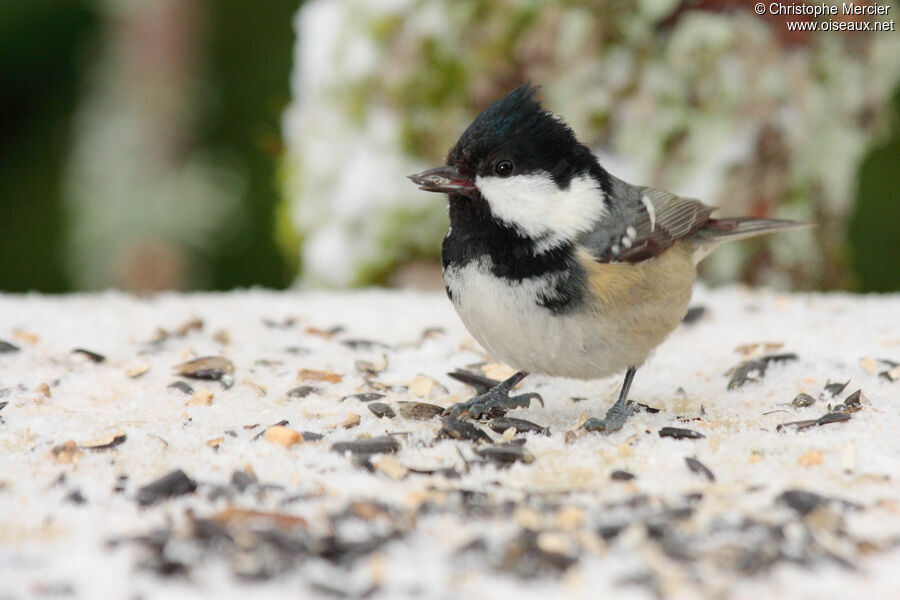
x=716 y=231
x=725 y=230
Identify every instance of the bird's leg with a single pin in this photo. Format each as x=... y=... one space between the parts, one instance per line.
x=618 y=412
x=496 y=401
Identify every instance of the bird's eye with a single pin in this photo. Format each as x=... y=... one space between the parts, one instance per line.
x=503 y=168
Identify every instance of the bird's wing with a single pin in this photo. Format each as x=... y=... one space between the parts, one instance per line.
x=651 y=221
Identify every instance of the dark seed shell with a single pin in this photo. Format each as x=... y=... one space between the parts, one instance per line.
x=302 y=391
x=376 y=445
x=363 y=397
x=7 y=347
x=698 y=467
x=457 y=429
x=501 y=424
x=172 y=484
x=801 y=501
x=311 y=436
x=620 y=475
x=182 y=386
x=206 y=367
x=680 y=433
x=506 y=454
x=380 y=409
x=93 y=356
x=835 y=388
x=419 y=411
x=803 y=400
x=481 y=383
x=694 y=314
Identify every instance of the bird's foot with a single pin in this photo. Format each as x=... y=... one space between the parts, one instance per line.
x=615 y=418
x=494 y=403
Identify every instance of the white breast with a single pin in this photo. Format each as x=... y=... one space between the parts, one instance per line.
x=508 y=322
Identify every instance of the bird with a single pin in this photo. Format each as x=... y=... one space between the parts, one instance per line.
x=556 y=266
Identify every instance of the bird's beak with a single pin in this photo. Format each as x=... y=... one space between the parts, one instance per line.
x=443 y=179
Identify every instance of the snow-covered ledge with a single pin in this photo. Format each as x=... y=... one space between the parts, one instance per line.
x=83 y=438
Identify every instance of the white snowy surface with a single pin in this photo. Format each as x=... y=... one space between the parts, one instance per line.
x=53 y=546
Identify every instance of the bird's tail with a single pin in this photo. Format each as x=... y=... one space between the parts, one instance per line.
x=716 y=231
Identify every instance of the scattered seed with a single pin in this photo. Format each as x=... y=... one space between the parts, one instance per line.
x=215 y=442
x=302 y=391
x=6 y=347
x=869 y=365
x=419 y=411
x=93 y=356
x=835 y=388
x=698 y=467
x=480 y=383
x=193 y=324
x=285 y=323
x=213 y=368
x=680 y=433
x=368 y=397
x=311 y=436
x=891 y=375
x=852 y=403
x=831 y=417
x=376 y=445
x=176 y=483
x=314 y=375
x=43 y=389
x=501 y=424
x=620 y=475
x=423 y=386
x=3 y=405
x=200 y=398
x=284 y=436
x=801 y=501
x=694 y=314
x=748 y=349
x=506 y=454
x=389 y=466
x=811 y=458
x=105 y=442
x=457 y=429
x=803 y=400
x=351 y=421
x=365 y=345
x=380 y=409
x=241 y=480
x=182 y=386
x=66 y=453
x=754 y=370
x=137 y=370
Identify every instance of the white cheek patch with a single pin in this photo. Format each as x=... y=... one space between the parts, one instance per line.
x=539 y=209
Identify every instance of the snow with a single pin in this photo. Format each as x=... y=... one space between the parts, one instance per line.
x=50 y=544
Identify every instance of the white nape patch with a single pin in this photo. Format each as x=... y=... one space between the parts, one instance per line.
x=651 y=211
x=541 y=210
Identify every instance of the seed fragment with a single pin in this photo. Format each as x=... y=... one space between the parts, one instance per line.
x=200 y=398
x=801 y=501
x=620 y=475
x=137 y=370
x=92 y=356
x=66 y=453
x=368 y=397
x=506 y=454
x=302 y=391
x=315 y=375
x=835 y=388
x=6 y=347
x=283 y=436
x=172 y=484
x=380 y=409
x=694 y=314
x=457 y=429
x=419 y=411
x=182 y=386
x=351 y=421
x=803 y=400
x=106 y=442
x=206 y=367
x=852 y=403
x=754 y=370
x=698 y=467
x=680 y=433
x=376 y=445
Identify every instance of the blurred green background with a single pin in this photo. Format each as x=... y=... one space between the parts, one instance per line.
x=141 y=144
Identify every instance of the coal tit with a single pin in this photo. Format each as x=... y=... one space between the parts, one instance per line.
x=556 y=266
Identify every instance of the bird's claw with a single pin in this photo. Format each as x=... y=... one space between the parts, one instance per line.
x=613 y=421
x=492 y=404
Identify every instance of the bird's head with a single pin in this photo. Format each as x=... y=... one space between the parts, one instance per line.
x=526 y=164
